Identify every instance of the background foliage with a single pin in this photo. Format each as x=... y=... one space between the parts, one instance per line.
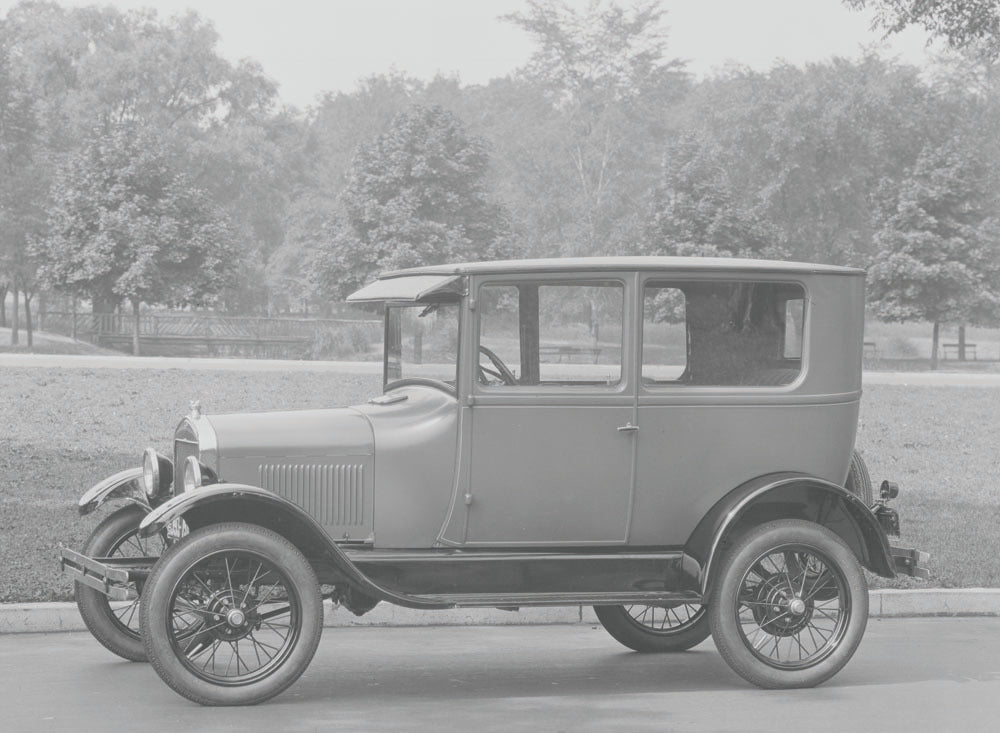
x=601 y=144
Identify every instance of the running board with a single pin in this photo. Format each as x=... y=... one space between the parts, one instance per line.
x=519 y=600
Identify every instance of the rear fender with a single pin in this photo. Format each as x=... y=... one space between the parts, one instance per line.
x=125 y=484
x=242 y=503
x=787 y=496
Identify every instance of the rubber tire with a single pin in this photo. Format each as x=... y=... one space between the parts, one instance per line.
x=859 y=481
x=725 y=631
x=93 y=605
x=178 y=558
x=617 y=622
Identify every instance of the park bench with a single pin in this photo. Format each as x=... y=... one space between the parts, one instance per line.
x=568 y=352
x=871 y=350
x=952 y=351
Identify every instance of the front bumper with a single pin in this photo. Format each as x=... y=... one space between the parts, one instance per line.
x=116 y=577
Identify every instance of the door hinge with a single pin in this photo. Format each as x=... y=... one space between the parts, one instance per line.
x=628 y=428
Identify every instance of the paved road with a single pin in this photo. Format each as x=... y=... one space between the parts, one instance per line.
x=78 y=361
x=909 y=675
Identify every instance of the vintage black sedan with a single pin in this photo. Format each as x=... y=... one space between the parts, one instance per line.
x=670 y=440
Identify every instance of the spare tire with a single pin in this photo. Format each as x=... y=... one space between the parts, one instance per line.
x=859 y=482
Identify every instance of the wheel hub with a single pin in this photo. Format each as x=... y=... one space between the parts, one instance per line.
x=226 y=618
x=778 y=609
x=235 y=618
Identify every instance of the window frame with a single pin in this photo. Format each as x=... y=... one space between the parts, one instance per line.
x=624 y=281
x=666 y=279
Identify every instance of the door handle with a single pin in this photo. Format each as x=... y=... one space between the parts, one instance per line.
x=628 y=428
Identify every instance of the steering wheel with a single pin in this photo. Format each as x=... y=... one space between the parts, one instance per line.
x=501 y=371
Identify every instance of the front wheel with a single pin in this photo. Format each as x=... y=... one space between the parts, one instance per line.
x=667 y=627
x=231 y=615
x=789 y=605
x=116 y=623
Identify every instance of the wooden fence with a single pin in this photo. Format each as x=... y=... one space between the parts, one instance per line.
x=200 y=334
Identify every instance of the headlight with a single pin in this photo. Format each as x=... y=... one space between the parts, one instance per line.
x=157 y=474
x=192 y=474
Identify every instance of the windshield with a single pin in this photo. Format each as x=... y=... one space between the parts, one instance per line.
x=422 y=341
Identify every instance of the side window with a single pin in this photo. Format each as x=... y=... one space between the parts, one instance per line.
x=664 y=334
x=551 y=334
x=722 y=333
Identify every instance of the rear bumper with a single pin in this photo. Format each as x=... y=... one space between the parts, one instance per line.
x=910 y=562
x=118 y=578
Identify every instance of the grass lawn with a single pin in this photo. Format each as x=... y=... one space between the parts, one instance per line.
x=61 y=430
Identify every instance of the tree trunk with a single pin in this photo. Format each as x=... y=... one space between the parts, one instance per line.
x=3 y=305
x=73 y=326
x=961 y=343
x=135 y=327
x=14 y=325
x=934 y=345
x=27 y=319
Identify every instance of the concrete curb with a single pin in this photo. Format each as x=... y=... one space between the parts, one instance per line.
x=23 y=618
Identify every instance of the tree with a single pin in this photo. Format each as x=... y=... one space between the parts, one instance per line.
x=963 y=24
x=938 y=248
x=127 y=226
x=696 y=210
x=22 y=188
x=605 y=83
x=93 y=70
x=416 y=195
x=803 y=149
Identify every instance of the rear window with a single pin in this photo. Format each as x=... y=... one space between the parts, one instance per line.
x=722 y=333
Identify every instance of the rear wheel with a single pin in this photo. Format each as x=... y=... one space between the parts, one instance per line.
x=232 y=615
x=859 y=482
x=116 y=623
x=666 y=627
x=789 y=605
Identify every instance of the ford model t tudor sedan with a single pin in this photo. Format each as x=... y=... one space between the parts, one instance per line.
x=670 y=440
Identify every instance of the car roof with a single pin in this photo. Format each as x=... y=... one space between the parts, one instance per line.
x=617 y=264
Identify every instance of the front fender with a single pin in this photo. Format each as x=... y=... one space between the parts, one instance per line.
x=236 y=502
x=124 y=484
x=784 y=496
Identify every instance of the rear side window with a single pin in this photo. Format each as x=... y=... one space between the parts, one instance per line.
x=722 y=333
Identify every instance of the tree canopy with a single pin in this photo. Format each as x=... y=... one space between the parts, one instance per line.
x=125 y=225
x=964 y=24
x=416 y=195
x=601 y=143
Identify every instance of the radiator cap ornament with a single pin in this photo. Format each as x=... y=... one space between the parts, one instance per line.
x=195 y=409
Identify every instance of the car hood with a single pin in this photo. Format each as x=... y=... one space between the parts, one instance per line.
x=293 y=434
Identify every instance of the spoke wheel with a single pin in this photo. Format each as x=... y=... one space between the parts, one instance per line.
x=235 y=618
x=232 y=615
x=667 y=627
x=789 y=605
x=793 y=607
x=115 y=624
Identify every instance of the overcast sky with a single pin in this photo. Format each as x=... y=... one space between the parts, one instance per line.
x=312 y=46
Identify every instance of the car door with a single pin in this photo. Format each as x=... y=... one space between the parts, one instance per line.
x=550 y=436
